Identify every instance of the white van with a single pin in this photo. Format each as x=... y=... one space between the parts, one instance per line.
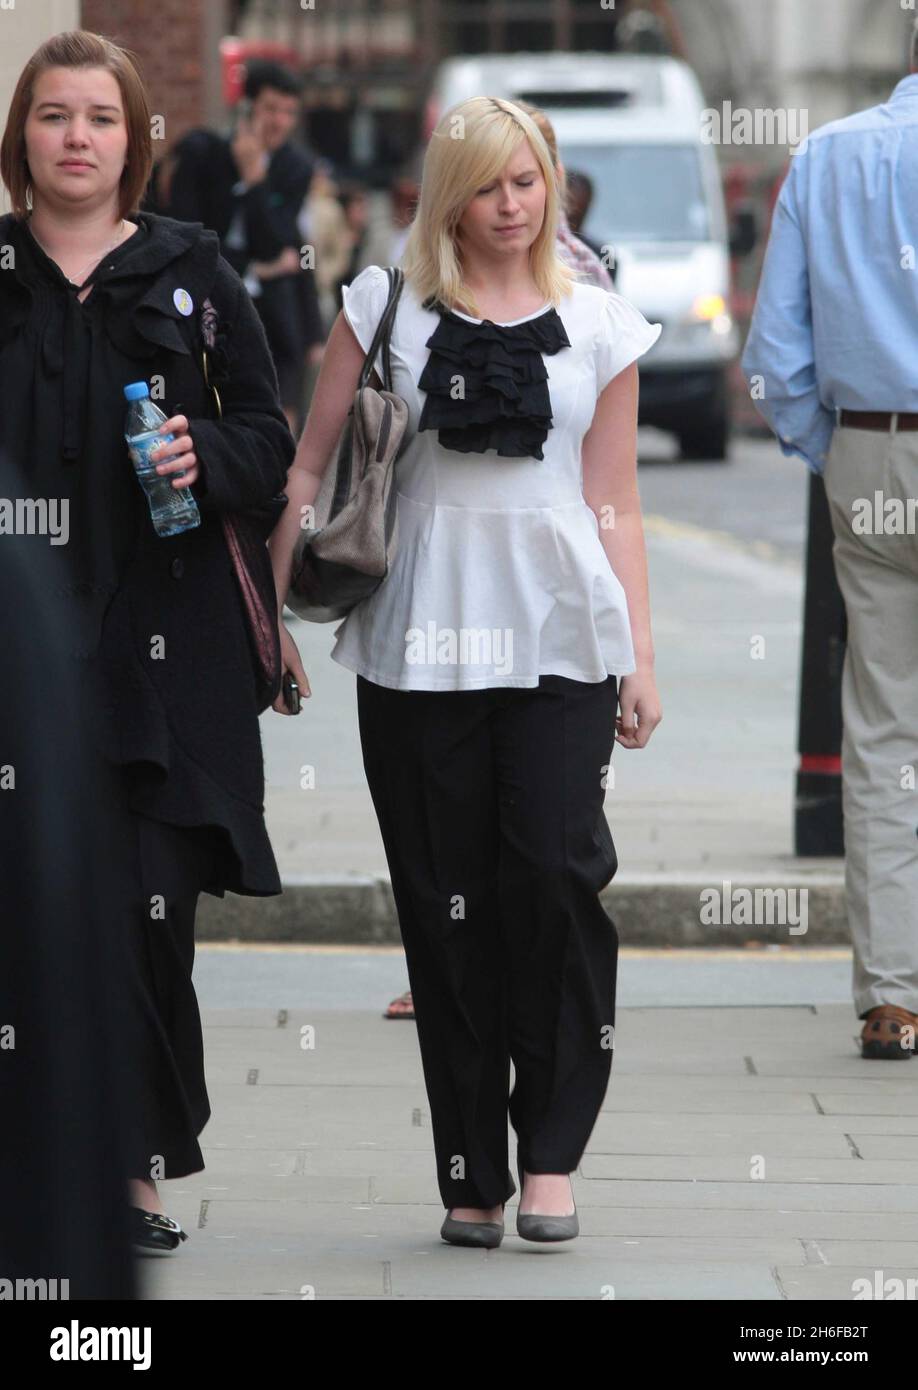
x=632 y=124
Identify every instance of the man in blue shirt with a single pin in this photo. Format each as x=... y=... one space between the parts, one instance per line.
x=832 y=364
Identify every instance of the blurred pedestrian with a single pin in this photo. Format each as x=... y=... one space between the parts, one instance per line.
x=66 y=1066
x=579 y=201
x=356 y=208
x=249 y=187
x=91 y=299
x=831 y=364
x=323 y=225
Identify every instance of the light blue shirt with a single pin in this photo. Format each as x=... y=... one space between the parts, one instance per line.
x=836 y=318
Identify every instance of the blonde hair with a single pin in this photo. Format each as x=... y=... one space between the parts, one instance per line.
x=469 y=147
x=548 y=132
x=80 y=49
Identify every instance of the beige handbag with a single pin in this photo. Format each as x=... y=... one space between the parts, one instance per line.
x=347 y=554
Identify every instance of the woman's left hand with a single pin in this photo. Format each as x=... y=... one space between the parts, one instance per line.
x=640 y=709
x=177 y=457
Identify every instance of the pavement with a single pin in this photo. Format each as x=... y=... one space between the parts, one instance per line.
x=709 y=802
x=744 y=1151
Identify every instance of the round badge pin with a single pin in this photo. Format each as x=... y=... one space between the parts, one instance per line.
x=183 y=302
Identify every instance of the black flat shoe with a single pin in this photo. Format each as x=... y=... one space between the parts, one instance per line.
x=152 y=1234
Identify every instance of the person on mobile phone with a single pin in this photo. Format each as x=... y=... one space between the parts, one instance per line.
x=249 y=186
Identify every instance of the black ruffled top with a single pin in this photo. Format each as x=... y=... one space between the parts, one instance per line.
x=506 y=403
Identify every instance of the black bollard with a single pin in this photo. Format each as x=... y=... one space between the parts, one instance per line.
x=818 y=818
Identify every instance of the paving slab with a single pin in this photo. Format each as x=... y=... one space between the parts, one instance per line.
x=320 y=1182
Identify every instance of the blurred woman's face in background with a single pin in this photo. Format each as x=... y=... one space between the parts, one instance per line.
x=505 y=216
x=76 y=137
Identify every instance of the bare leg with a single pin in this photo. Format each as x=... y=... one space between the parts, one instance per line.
x=144 y=1194
x=476 y=1213
x=547 y=1194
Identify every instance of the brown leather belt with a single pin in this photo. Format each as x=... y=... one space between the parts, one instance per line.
x=877 y=420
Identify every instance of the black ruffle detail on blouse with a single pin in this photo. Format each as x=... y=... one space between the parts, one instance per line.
x=506 y=404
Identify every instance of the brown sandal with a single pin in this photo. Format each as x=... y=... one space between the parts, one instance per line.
x=402 y=1007
x=884 y=1036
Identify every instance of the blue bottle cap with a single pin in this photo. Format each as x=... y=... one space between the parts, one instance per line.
x=136 y=391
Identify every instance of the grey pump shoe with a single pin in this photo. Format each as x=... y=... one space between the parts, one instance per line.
x=486 y=1235
x=548 y=1228
x=535 y=1226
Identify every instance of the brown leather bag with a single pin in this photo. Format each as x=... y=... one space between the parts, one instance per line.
x=246 y=534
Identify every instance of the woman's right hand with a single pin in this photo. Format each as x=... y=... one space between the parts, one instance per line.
x=290 y=661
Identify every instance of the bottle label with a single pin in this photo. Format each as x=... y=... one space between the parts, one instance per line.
x=140 y=445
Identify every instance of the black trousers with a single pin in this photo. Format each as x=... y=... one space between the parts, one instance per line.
x=490 y=806
x=164 y=1053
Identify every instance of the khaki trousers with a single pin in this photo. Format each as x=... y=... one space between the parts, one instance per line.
x=877 y=572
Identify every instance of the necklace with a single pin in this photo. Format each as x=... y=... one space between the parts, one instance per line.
x=81 y=274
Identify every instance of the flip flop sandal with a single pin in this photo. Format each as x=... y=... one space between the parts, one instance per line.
x=407 y=1009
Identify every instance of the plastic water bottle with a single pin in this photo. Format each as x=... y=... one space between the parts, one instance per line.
x=173 y=509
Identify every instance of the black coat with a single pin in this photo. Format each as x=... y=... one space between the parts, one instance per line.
x=61 y=959
x=157 y=623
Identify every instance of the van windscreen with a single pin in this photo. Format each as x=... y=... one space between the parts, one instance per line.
x=606 y=99
x=631 y=84
x=642 y=192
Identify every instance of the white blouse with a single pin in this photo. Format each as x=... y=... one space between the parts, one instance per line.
x=499 y=574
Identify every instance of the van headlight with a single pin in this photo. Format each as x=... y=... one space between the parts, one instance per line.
x=709 y=311
x=705 y=333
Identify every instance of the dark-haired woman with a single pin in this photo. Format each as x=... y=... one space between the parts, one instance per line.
x=95 y=295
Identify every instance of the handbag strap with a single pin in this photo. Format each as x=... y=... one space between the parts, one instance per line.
x=383 y=334
x=209 y=384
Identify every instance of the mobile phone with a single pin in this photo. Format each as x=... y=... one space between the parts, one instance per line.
x=242 y=111
x=291 y=694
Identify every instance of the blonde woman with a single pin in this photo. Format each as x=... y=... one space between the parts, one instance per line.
x=491 y=662
x=576 y=254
